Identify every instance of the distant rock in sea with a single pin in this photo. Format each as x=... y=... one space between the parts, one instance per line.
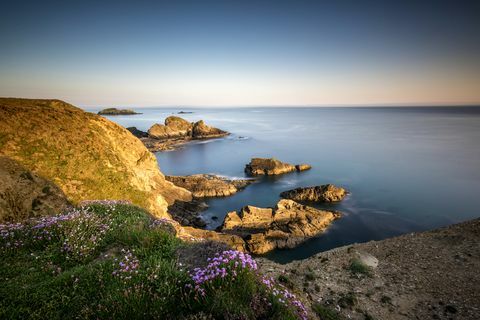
x=116 y=112
x=185 y=112
x=323 y=193
x=272 y=166
x=285 y=226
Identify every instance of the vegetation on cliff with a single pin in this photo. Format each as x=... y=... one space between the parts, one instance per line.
x=112 y=260
x=86 y=155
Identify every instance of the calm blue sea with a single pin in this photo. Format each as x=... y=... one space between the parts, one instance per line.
x=408 y=169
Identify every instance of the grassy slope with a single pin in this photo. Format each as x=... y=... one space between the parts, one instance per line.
x=86 y=155
x=66 y=268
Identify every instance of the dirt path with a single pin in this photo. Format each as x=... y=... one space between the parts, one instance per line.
x=429 y=275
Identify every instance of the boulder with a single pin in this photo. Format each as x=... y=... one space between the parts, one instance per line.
x=263 y=166
x=160 y=131
x=137 y=133
x=179 y=124
x=285 y=226
x=206 y=185
x=303 y=167
x=202 y=131
x=323 y=193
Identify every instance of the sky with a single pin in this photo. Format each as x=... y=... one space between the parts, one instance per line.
x=241 y=53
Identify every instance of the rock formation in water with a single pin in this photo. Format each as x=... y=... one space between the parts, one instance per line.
x=201 y=131
x=86 y=155
x=206 y=185
x=116 y=112
x=303 y=167
x=176 y=131
x=137 y=133
x=323 y=193
x=271 y=166
x=285 y=226
x=24 y=194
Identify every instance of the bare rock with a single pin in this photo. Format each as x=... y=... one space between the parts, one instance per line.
x=285 y=226
x=137 y=133
x=271 y=166
x=303 y=167
x=202 y=131
x=323 y=193
x=205 y=185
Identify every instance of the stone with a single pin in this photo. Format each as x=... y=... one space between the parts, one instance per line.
x=264 y=166
x=303 y=167
x=206 y=185
x=137 y=133
x=202 y=131
x=323 y=193
x=285 y=226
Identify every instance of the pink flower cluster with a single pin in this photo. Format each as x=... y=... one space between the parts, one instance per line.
x=127 y=266
x=285 y=297
x=224 y=265
x=104 y=202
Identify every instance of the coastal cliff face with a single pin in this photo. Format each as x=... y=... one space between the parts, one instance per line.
x=87 y=156
x=23 y=194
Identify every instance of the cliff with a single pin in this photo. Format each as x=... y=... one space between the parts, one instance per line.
x=87 y=156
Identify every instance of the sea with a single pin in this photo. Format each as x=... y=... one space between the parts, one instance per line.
x=408 y=169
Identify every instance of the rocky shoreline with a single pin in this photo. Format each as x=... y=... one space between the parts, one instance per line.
x=426 y=275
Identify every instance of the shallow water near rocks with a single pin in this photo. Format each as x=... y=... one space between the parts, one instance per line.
x=408 y=169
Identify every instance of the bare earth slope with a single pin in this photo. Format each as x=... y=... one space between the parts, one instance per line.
x=87 y=156
x=428 y=275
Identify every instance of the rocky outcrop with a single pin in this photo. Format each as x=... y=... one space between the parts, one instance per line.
x=303 y=167
x=86 y=155
x=137 y=133
x=176 y=131
x=285 y=226
x=201 y=131
x=323 y=193
x=116 y=112
x=206 y=185
x=192 y=234
x=24 y=194
x=271 y=166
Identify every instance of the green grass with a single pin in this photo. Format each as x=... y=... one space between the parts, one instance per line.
x=325 y=313
x=359 y=268
x=40 y=280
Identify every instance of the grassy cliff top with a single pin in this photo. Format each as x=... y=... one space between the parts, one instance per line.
x=87 y=156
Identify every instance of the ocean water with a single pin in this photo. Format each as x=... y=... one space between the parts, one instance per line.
x=408 y=169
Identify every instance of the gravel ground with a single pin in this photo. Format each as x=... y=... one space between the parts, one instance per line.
x=428 y=275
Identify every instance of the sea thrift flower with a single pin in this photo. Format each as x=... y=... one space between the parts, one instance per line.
x=127 y=265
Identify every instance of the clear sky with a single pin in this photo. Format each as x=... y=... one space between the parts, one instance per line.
x=234 y=53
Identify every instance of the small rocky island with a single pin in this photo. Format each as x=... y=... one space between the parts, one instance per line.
x=116 y=112
x=272 y=166
x=174 y=132
x=285 y=226
x=323 y=193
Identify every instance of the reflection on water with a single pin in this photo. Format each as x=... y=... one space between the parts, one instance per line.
x=408 y=169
